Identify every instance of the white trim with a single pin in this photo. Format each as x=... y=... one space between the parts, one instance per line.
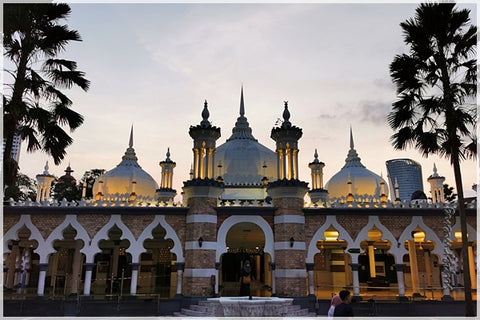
x=290 y=273
x=200 y=273
x=285 y=245
x=233 y=220
x=289 y=219
x=201 y=218
x=206 y=245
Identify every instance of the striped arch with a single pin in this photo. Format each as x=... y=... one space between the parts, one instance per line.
x=233 y=220
x=417 y=221
x=93 y=248
x=12 y=234
x=147 y=233
x=57 y=234
x=386 y=235
x=319 y=235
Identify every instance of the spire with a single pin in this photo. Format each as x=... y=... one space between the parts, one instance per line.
x=242 y=128
x=168 y=154
x=46 y=168
x=286 y=116
x=315 y=155
x=435 y=174
x=130 y=143
x=353 y=160
x=242 y=107
x=352 y=146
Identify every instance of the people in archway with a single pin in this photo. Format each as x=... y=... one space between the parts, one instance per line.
x=333 y=303
x=344 y=309
x=245 y=280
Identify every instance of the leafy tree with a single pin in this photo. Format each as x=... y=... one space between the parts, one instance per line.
x=89 y=177
x=66 y=187
x=450 y=196
x=435 y=82
x=35 y=108
x=24 y=188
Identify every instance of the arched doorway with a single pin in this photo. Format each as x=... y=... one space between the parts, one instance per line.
x=245 y=241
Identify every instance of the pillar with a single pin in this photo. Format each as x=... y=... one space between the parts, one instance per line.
x=400 y=280
x=180 y=267
x=115 y=252
x=217 y=278
x=471 y=262
x=412 y=252
x=311 y=284
x=355 y=279
x=88 y=278
x=371 y=259
x=76 y=268
x=274 y=279
x=41 y=278
x=133 y=283
x=446 y=290
x=11 y=265
x=54 y=268
x=428 y=267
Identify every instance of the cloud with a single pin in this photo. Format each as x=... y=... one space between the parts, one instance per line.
x=374 y=111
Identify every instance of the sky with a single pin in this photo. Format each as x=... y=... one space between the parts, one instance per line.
x=153 y=65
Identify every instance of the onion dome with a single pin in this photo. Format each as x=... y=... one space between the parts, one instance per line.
x=126 y=178
x=364 y=183
x=67 y=177
x=242 y=160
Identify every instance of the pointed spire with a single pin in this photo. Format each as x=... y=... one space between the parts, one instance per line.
x=130 y=142
x=168 y=154
x=205 y=115
x=315 y=155
x=242 y=129
x=286 y=116
x=435 y=170
x=242 y=106
x=352 y=145
x=46 y=168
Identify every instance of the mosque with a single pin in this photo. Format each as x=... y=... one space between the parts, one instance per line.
x=242 y=202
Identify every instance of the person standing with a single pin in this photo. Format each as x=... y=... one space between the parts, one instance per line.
x=335 y=302
x=344 y=309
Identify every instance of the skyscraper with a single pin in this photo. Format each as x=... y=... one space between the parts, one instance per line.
x=15 y=147
x=408 y=174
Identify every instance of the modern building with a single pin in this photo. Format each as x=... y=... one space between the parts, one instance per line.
x=243 y=202
x=17 y=142
x=407 y=174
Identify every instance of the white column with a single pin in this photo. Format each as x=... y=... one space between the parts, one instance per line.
x=180 y=267
x=133 y=283
x=217 y=277
x=412 y=252
x=88 y=278
x=41 y=278
x=400 y=279
x=76 y=268
x=311 y=285
x=428 y=267
x=273 y=278
x=355 y=279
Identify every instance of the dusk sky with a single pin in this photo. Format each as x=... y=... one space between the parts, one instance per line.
x=153 y=65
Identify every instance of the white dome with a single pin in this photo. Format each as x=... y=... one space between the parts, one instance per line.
x=242 y=157
x=365 y=183
x=119 y=180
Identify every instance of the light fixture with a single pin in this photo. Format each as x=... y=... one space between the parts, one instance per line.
x=291 y=242
x=200 y=242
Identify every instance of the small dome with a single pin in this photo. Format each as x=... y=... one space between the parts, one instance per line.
x=119 y=180
x=243 y=159
x=365 y=183
x=419 y=195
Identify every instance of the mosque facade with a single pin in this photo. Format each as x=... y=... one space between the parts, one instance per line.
x=242 y=202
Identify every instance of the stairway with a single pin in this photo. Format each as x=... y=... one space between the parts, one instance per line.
x=214 y=309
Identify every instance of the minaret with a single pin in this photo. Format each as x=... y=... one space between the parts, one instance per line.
x=397 y=192
x=317 y=194
x=383 y=196
x=201 y=194
x=166 y=191
x=44 y=184
x=288 y=198
x=436 y=186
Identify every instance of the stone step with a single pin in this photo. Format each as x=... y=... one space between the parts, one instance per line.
x=199 y=308
x=294 y=307
x=312 y=314
x=193 y=313
x=203 y=303
x=179 y=314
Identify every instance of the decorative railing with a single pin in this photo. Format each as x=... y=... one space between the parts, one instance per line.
x=374 y=203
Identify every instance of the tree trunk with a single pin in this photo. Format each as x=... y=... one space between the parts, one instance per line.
x=469 y=310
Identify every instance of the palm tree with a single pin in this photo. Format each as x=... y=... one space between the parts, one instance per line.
x=436 y=87
x=34 y=107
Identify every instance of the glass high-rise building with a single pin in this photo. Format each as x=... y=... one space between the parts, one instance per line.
x=409 y=177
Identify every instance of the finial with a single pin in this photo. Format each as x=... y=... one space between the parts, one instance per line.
x=130 y=143
x=434 y=168
x=242 y=106
x=315 y=155
x=286 y=116
x=352 y=146
x=205 y=114
x=168 y=153
x=46 y=168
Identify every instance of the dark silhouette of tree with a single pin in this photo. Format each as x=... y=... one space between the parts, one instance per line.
x=24 y=188
x=35 y=108
x=436 y=86
x=89 y=177
x=66 y=187
x=450 y=196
